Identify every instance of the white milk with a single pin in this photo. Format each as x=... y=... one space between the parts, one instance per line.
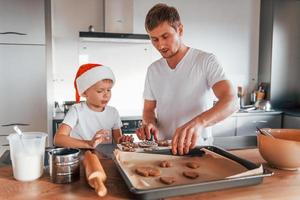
x=27 y=167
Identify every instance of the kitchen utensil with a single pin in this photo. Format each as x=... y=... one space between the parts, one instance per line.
x=191 y=188
x=264 y=132
x=64 y=165
x=95 y=173
x=240 y=95
x=282 y=151
x=263 y=105
x=19 y=132
x=27 y=156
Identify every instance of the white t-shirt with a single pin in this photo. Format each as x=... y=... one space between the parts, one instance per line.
x=184 y=92
x=86 y=122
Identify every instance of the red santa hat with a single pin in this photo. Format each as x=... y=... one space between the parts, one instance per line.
x=89 y=74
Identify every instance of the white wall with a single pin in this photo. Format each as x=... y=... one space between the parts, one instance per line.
x=129 y=63
x=68 y=18
x=229 y=29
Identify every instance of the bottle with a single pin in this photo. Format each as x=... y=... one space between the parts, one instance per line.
x=253 y=97
x=260 y=95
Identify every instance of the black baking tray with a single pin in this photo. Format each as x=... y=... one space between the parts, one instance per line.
x=186 y=189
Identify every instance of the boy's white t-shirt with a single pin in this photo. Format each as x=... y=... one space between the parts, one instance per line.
x=86 y=122
x=184 y=92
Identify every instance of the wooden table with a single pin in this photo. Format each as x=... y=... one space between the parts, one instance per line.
x=282 y=185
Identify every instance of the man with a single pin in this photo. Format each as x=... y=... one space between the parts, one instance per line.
x=177 y=87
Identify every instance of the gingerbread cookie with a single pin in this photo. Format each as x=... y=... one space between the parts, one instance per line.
x=163 y=143
x=130 y=149
x=168 y=180
x=147 y=171
x=192 y=165
x=147 y=144
x=191 y=174
x=129 y=144
x=165 y=164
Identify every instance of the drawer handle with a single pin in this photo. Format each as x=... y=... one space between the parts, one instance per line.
x=12 y=33
x=262 y=121
x=15 y=124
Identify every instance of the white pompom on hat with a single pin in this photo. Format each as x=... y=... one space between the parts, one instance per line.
x=89 y=74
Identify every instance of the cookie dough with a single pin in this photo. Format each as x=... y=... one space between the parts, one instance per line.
x=190 y=174
x=129 y=144
x=147 y=144
x=192 y=165
x=163 y=143
x=130 y=149
x=147 y=171
x=168 y=180
x=165 y=164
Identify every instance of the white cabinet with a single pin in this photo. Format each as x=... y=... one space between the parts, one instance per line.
x=3 y=140
x=224 y=128
x=246 y=125
x=23 y=81
x=22 y=21
x=291 y=121
x=23 y=93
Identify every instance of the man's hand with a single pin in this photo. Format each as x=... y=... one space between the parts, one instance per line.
x=146 y=130
x=101 y=136
x=185 y=137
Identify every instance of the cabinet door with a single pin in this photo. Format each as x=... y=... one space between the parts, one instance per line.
x=23 y=93
x=3 y=140
x=224 y=128
x=22 y=22
x=291 y=122
x=246 y=125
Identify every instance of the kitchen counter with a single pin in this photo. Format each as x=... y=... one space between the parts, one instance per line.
x=60 y=116
x=293 y=112
x=282 y=185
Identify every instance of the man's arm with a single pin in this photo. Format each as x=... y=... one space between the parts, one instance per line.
x=149 y=112
x=186 y=136
x=226 y=105
x=149 y=126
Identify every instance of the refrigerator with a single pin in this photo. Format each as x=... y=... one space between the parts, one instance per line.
x=23 y=80
x=279 y=60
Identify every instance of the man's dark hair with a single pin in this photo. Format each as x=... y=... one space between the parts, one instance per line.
x=162 y=13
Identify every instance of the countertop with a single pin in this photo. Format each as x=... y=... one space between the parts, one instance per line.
x=60 y=116
x=293 y=112
x=282 y=185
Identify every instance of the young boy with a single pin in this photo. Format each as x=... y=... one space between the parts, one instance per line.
x=92 y=122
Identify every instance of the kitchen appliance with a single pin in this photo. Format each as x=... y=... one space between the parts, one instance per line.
x=118 y=24
x=27 y=155
x=279 y=46
x=64 y=165
x=67 y=105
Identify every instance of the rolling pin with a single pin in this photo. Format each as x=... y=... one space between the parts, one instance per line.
x=94 y=173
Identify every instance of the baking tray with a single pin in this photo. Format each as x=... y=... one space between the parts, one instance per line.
x=186 y=189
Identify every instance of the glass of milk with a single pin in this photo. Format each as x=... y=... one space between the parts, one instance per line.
x=27 y=158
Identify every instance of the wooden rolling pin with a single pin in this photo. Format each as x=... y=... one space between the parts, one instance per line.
x=94 y=173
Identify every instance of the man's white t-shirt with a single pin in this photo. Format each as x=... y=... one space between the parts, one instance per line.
x=86 y=122
x=184 y=92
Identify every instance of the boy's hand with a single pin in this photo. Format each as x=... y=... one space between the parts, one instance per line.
x=125 y=138
x=101 y=136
